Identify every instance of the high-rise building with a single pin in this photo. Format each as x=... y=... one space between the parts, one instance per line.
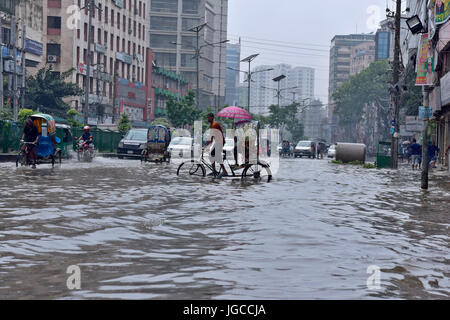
x=298 y=85
x=384 y=41
x=232 y=76
x=118 y=55
x=175 y=46
x=314 y=120
x=361 y=57
x=340 y=61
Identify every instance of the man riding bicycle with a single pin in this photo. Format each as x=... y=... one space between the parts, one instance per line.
x=31 y=135
x=216 y=126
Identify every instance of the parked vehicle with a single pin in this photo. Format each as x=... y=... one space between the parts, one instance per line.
x=85 y=152
x=64 y=133
x=47 y=150
x=331 y=151
x=180 y=147
x=305 y=149
x=132 y=145
x=158 y=140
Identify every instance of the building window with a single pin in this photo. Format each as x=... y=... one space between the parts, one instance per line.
x=99 y=36
x=166 y=59
x=124 y=24
x=118 y=20
x=53 y=25
x=164 y=6
x=112 y=42
x=99 y=12
x=53 y=52
x=106 y=15
x=163 y=41
x=163 y=23
x=191 y=6
x=188 y=23
x=112 y=17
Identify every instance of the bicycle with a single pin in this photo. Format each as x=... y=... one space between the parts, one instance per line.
x=250 y=171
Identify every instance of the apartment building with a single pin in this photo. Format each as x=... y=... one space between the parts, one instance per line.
x=118 y=54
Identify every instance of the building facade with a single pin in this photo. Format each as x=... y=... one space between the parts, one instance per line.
x=361 y=57
x=340 y=63
x=175 y=46
x=298 y=85
x=314 y=120
x=118 y=54
x=232 y=76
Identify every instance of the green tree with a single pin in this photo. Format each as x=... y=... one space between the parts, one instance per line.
x=370 y=87
x=286 y=116
x=71 y=113
x=6 y=114
x=124 y=123
x=23 y=114
x=184 y=113
x=412 y=98
x=47 y=89
x=161 y=122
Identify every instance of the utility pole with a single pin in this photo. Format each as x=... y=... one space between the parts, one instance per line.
x=88 y=63
x=24 y=70
x=1 y=69
x=197 y=30
x=115 y=108
x=396 y=77
x=13 y=94
x=424 y=176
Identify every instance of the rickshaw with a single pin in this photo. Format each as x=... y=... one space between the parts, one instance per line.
x=246 y=163
x=158 y=140
x=47 y=150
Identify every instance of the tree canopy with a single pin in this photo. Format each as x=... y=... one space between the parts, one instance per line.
x=47 y=89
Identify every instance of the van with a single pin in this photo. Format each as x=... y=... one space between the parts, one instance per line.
x=305 y=149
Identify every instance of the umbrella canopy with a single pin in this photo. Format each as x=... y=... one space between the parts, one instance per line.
x=235 y=113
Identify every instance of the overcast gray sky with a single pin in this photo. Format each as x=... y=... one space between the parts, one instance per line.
x=304 y=29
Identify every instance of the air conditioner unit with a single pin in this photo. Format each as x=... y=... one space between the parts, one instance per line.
x=136 y=11
x=52 y=58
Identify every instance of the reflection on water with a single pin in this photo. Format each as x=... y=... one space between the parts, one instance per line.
x=138 y=231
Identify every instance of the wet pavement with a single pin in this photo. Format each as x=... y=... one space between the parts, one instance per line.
x=140 y=232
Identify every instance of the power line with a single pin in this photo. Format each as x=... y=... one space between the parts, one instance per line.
x=280 y=41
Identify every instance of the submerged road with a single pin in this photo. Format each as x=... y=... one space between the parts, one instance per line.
x=138 y=232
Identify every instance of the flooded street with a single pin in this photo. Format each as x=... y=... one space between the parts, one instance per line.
x=140 y=232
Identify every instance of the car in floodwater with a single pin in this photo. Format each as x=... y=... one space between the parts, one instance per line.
x=331 y=151
x=132 y=145
x=180 y=147
x=305 y=149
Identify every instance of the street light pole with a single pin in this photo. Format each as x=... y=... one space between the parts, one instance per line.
x=197 y=30
x=396 y=77
x=88 y=63
x=249 y=59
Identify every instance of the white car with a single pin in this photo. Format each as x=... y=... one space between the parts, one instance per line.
x=180 y=147
x=332 y=151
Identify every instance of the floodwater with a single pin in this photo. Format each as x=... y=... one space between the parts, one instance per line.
x=140 y=232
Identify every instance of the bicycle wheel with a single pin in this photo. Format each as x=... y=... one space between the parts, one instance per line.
x=257 y=172
x=192 y=169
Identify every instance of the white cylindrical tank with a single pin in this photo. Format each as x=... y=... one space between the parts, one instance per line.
x=348 y=152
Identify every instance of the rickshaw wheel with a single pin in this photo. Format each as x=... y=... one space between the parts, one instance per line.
x=191 y=169
x=257 y=172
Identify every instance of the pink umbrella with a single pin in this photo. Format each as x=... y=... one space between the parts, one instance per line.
x=235 y=113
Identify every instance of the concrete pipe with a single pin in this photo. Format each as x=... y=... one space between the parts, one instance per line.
x=348 y=152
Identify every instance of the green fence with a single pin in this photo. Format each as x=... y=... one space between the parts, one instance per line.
x=11 y=133
x=104 y=141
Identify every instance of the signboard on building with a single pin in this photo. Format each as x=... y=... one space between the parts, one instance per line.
x=413 y=124
x=442 y=11
x=100 y=48
x=124 y=57
x=425 y=112
x=425 y=62
x=34 y=47
x=445 y=89
x=118 y=3
x=82 y=68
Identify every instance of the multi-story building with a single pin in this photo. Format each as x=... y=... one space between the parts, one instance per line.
x=314 y=120
x=340 y=61
x=384 y=41
x=118 y=54
x=21 y=24
x=175 y=46
x=361 y=57
x=232 y=76
x=298 y=85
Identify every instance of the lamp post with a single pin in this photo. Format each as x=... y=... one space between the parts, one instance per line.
x=197 y=55
x=249 y=79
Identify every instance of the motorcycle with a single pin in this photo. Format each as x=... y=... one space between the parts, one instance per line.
x=85 y=152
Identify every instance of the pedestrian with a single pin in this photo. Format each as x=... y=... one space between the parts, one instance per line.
x=415 y=151
x=433 y=152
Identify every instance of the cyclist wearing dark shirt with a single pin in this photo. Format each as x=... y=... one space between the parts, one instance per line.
x=31 y=135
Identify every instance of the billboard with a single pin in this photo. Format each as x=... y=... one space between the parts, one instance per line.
x=442 y=11
x=425 y=62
